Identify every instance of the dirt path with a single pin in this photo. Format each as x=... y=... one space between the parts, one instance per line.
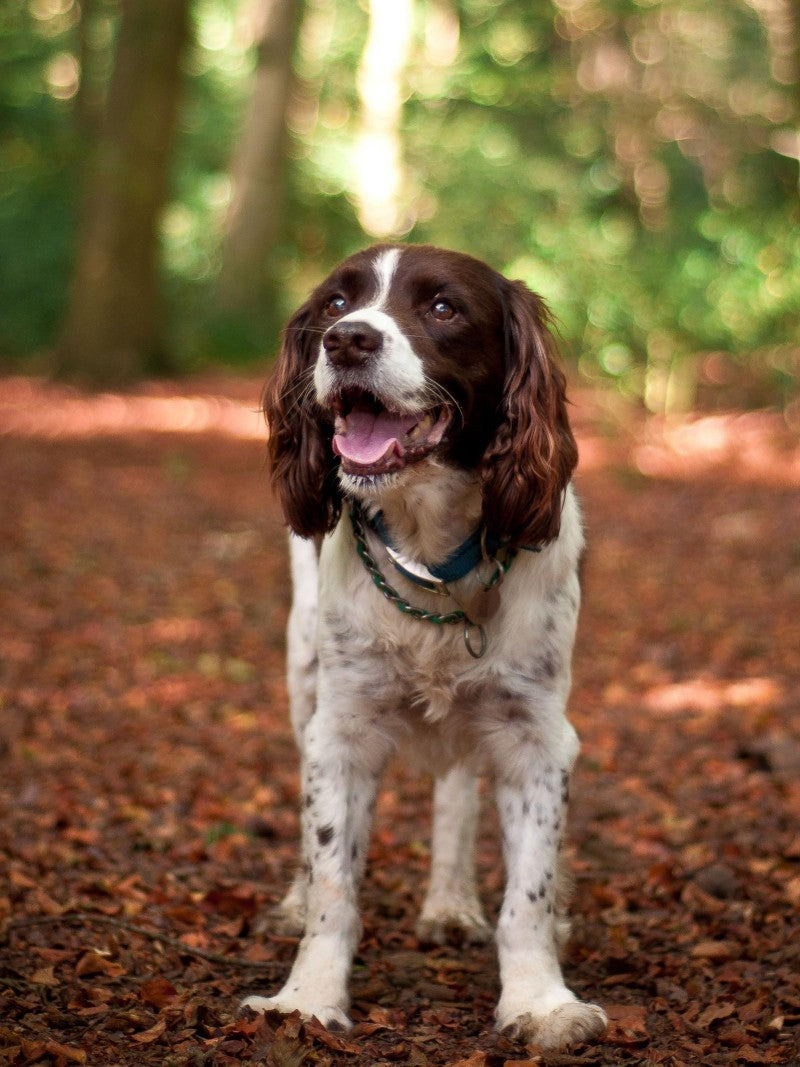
x=148 y=779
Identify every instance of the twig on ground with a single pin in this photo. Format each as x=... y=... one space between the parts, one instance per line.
x=78 y=917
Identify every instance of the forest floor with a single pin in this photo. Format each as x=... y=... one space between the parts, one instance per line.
x=148 y=779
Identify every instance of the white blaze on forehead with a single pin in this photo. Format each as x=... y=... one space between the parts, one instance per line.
x=384 y=267
x=398 y=372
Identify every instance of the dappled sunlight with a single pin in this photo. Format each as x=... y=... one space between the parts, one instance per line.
x=754 y=446
x=378 y=150
x=709 y=696
x=595 y=452
x=32 y=408
x=751 y=447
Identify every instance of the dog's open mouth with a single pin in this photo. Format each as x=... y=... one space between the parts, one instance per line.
x=372 y=439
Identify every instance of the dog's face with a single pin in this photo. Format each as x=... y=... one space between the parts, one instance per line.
x=411 y=354
x=411 y=358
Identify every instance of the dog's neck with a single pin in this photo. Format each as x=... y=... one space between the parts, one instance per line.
x=429 y=514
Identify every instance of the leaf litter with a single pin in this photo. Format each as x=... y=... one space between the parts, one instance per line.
x=148 y=780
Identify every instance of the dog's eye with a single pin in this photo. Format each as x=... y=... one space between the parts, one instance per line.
x=442 y=310
x=337 y=305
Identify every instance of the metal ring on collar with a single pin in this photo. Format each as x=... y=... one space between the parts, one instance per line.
x=469 y=631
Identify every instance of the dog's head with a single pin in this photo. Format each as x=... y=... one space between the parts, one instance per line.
x=408 y=355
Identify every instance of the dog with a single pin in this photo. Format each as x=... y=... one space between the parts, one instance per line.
x=421 y=451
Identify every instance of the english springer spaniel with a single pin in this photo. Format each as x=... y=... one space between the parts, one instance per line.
x=421 y=450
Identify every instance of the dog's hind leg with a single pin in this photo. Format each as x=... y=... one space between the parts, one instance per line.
x=452 y=906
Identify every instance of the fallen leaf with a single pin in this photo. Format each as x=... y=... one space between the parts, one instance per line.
x=147 y=1037
x=158 y=992
x=44 y=976
x=626 y=1024
x=715 y=1012
x=715 y=950
x=315 y=1029
x=92 y=963
x=286 y=1052
x=65 y=1052
x=477 y=1059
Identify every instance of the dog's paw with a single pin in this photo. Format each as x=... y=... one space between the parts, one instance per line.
x=465 y=924
x=571 y=1023
x=331 y=1016
x=288 y=917
x=285 y=920
x=277 y=921
x=453 y=928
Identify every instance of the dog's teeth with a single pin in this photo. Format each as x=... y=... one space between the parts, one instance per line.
x=414 y=433
x=424 y=423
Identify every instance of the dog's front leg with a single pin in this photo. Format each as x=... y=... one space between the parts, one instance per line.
x=341 y=769
x=535 y=1004
x=289 y=916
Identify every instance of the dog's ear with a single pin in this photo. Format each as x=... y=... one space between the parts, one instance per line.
x=302 y=464
x=528 y=464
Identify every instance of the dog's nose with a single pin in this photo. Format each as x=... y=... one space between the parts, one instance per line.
x=352 y=344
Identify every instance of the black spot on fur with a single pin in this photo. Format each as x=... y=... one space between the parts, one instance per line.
x=324 y=834
x=549 y=665
x=564 y=787
x=516 y=714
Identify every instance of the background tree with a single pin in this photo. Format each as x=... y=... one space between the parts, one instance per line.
x=256 y=219
x=112 y=330
x=633 y=160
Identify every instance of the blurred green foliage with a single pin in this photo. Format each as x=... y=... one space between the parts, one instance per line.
x=38 y=167
x=632 y=160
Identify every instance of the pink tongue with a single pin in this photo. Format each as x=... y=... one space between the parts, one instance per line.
x=368 y=437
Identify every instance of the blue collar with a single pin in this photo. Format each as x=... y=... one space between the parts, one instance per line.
x=478 y=546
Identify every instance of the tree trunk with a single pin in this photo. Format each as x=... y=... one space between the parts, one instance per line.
x=88 y=104
x=257 y=170
x=112 y=330
x=794 y=15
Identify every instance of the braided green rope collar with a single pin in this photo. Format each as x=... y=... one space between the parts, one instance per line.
x=471 y=629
